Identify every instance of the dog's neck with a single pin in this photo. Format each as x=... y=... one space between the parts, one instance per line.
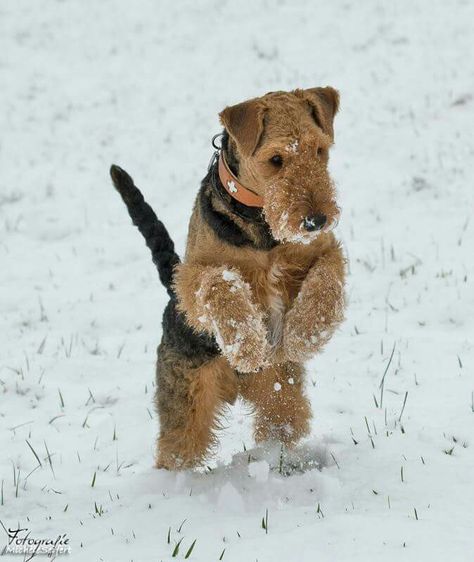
x=234 y=187
x=231 y=220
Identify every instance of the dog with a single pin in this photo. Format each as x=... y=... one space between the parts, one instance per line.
x=261 y=286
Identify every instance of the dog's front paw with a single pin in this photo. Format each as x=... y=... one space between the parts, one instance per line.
x=244 y=344
x=235 y=320
x=312 y=320
x=300 y=343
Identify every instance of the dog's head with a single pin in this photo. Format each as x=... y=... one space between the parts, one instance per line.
x=281 y=145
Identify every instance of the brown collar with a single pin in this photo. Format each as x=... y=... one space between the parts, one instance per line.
x=234 y=188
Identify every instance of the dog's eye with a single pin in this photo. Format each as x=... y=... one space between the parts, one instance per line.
x=319 y=151
x=276 y=160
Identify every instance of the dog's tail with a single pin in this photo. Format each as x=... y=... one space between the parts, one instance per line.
x=153 y=230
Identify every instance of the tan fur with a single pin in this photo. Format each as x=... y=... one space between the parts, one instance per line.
x=269 y=310
x=322 y=295
x=208 y=389
x=217 y=299
x=282 y=410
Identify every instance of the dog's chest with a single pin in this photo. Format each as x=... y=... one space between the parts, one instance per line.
x=275 y=302
x=276 y=282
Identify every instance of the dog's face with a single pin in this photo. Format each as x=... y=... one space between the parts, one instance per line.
x=282 y=142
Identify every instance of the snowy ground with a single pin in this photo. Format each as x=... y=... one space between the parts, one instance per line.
x=84 y=84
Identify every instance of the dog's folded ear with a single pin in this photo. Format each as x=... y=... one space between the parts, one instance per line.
x=324 y=103
x=244 y=123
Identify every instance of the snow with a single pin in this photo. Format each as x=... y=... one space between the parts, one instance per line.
x=259 y=470
x=228 y=275
x=85 y=84
x=293 y=146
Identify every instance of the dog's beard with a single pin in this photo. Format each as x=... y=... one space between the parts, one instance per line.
x=286 y=206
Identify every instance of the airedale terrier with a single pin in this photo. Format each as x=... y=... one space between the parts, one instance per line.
x=261 y=287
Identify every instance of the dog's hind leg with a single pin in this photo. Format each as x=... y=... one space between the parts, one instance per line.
x=282 y=411
x=189 y=400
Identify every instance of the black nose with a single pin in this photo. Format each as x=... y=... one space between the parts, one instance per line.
x=314 y=222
